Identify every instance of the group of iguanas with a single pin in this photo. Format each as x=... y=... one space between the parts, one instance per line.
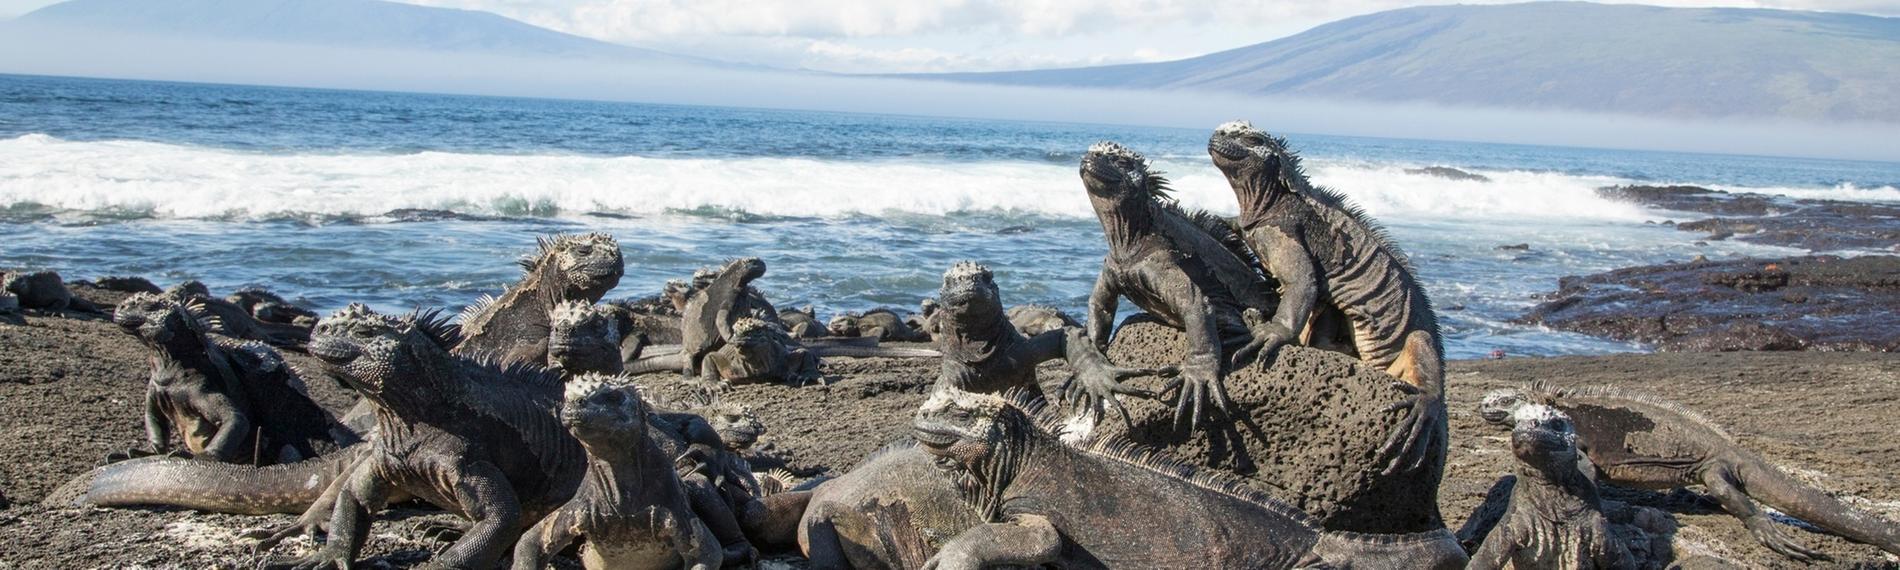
x=523 y=416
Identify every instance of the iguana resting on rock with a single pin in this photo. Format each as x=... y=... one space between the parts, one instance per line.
x=473 y=437
x=1106 y=504
x=235 y=321
x=44 y=290
x=1329 y=256
x=1642 y=442
x=803 y=322
x=1555 y=518
x=1032 y=320
x=514 y=327
x=880 y=323
x=711 y=309
x=761 y=351
x=226 y=400
x=631 y=510
x=1188 y=269
x=271 y=308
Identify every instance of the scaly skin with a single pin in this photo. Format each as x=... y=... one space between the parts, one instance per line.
x=1181 y=267
x=631 y=510
x=1642 y=442
x=711 y=310
x=1555 y=518
x=220 y=396
x=1047 y=502
x=514 y=327
x=1330 y=258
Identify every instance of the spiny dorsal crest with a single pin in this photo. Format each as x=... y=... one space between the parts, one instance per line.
x=1151 y=180
x=438 y=327
x=476 y=309
x=199 y=317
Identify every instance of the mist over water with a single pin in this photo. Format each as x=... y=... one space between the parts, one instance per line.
x=294 y=190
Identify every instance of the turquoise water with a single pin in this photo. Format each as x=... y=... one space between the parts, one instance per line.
x=294 y=189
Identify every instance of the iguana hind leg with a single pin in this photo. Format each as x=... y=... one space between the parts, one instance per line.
x=1419 y=363
x=1726 y=485
x=1770 y=485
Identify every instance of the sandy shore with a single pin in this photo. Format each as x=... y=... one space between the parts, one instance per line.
x=71 y=391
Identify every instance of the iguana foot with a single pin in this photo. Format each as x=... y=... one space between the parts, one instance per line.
x=1198 y=383
x=1772 y=537
x=1268 y=337
x=321 y=559
x=1097 y=383
x=268 y=537
x=435 y=530
x=1411 y=443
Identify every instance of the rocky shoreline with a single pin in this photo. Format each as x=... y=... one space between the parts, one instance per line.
x=71 y=385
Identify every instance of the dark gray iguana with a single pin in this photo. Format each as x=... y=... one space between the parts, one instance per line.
x=1330 y=258
x=880 y=323
x=237 y=322
x=1032 y=320
x=1647 y=443
x=803 y=322
x=1555 y=518
x=514 y=327
x=1187 y=269
x=43 y=290
x=1104 y=503
x=271 y=308
x=631 y=510
x=226 y=400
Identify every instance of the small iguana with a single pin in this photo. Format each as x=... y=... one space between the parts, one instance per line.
x=271 y=308
x=43 y=290
x=1104 y=503
x=514 y=327
x=1555 y=518
x=803 y=322
x=1647 y=443
x=880 y=323
x=1329 y=256
x=584 y=337
x=226 y=400
x=631 y=510
x=1187 y=269
x=1032 y=320
x=235 y=321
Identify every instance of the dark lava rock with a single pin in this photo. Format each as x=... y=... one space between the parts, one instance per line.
x=1815 y=225
x=1312 y=426
x=1515 y=247
x=1448 y=173
x=1803 y=303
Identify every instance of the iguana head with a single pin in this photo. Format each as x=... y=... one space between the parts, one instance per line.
x=1114 y=173
x=371 y=350
x=844 y=325
x=188 y=289
x=1500 y=406
x=159 y=319
x=969 y=296
x=1253 y=160
x=760 y=342
x=978 y=438
x=737 y=425
x=586 y=265
x=1544 y=437
x=604 y=412
x=583 y=337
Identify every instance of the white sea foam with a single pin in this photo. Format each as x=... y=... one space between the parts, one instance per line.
x=129 y=177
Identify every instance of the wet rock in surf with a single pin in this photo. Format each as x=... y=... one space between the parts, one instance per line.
x=1815 y=225
x=1803 y=303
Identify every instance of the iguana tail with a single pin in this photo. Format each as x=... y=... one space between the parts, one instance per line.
x=1768 y=484
x=824 y=351
x=216 y=487
x=671 y=362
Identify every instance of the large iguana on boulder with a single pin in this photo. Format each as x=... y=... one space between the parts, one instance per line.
x=514 y=327
x=1647 y=443
x=226 y=400
x=1188 y=269
x=631 y=509
x=1555 y=517
x=1330 y=257
x=1103 y=503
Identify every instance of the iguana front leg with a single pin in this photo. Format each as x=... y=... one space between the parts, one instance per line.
x=1202 y=373
x=234 y=427
x=546 y=538
x=1419 y=435
x=1496 y=552
x=1095 y=382
x=363 y=493
x=1023 y=540
x=486 y=497
x=158 y=432
x=1102 y=303
x=1286 y=256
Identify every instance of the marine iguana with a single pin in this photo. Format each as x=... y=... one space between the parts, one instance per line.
x=761 y=351
x=514 y=327
x=271 y=308
x=44 y=290
x=226 y=400
x=235 y=321
x=631 y=510
x=1555 y=518
x=584 y=337
x=1032 y=320
x=1047 y=502
x=472 y=436
x=711 y=309
x=880 y=323
x=893 y=510
x=1188 y=269
x=803 y=322
x=1644 y=442
x=1329 y=256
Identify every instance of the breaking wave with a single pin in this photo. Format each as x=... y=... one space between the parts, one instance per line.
x=132 y=179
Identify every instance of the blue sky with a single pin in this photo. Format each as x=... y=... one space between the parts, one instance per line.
x=960 y=35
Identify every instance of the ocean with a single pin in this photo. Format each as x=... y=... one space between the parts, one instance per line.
x=413 y=200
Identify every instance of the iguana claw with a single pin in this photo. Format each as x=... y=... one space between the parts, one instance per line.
x=1411 y=444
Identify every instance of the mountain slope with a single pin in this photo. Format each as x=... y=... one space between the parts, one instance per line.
x=1646 y=60
x=343 y=23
